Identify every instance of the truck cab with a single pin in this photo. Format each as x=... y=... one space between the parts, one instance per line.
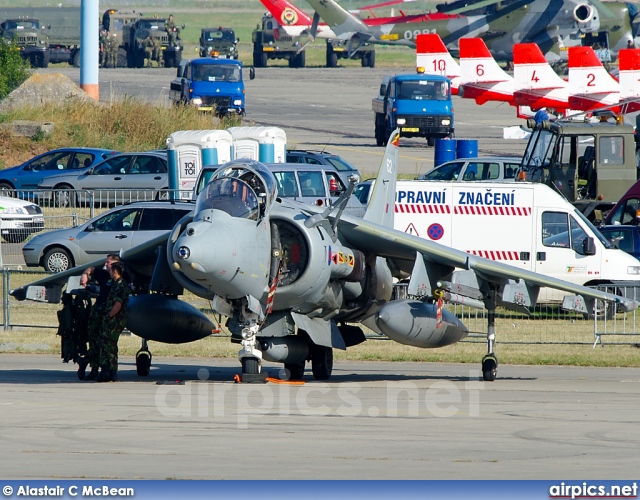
x=210 y=84
x=418 y=104
x=591 y=164
x=270 y=41
x=218 y=42
x=28 y=36
x=135 y=33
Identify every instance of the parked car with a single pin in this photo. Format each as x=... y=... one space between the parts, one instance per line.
x=30 y=174
x=120 y=228
x=624 y=237
x=145 y=173
x=344 y=168
x=490 y=168
x=19 y=219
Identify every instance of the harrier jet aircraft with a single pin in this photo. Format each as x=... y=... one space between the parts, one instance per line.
x=294 y=280
x=553 y=24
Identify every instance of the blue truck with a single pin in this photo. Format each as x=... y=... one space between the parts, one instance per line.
x=210 y=84
x=419 y=104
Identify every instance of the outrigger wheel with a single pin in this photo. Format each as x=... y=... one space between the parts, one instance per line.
x=489 y=367
x=143 y=362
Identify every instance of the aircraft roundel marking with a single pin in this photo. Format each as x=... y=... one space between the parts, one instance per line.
x=289 y=16
x=435 y=231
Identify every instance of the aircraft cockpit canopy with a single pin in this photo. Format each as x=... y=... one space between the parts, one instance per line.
x=242 y=188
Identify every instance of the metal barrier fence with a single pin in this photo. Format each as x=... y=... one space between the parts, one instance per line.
x=547 y=325
x=69 y=208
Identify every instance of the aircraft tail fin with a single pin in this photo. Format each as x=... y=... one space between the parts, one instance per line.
x=433 y=56
x=587 y=75
x=382 y=200
x=341 y=21
x=286 y=13
x=532 y=71
x=477 y=65
x=629 y=77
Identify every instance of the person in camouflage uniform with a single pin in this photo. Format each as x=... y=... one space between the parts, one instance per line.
x=113 y=324
x=172 y=31
x=94 y=326
x=157 y=51
x=112 y=54
x=147 y=45
x=104 y=43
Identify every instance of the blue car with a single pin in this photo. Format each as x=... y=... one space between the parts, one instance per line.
x=28 y=175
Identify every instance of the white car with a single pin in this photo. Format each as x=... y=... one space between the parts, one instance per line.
x=19 y=219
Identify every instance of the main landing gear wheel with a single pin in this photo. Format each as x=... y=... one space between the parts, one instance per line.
x=489 y=367
x=295 y=371
x=321 y=362
x=250 y=365
x=143 y=362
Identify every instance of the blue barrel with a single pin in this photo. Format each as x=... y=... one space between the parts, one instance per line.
x=467 y=148
x=445 y=150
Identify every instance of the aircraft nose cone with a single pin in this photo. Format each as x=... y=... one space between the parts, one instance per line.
x=201 y=249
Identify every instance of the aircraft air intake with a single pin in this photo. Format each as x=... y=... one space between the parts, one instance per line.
x=583 y=13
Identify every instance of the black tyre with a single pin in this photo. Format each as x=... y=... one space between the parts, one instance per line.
x=76 y=60
x=7 y=189
x=168 y=61
x=143 y=363
x=301 y=59
x=43 y=59
x=121 y=62
x=332 y=58
x=379 y=133
x=489 y=369
x=295 y=371
x=372 y=59
x=63 y=196
x=57 y=259
x=321 y=362
x=431 y=141
x=250 y=366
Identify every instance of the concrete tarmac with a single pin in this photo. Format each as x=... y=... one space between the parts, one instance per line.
x=372 y=420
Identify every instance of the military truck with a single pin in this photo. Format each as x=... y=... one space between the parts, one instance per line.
x=342 y=49
x=218 y=42
x=134 y=34
x=591 y=164
x=114 y=21
x=30 y=38
x=271 y=42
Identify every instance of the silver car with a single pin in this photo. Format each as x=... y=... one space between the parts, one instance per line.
x=489 y=168
x=120 y=228
x=116 y=177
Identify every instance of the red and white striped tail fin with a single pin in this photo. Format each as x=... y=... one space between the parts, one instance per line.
x=477 y=65
x=532 y=71
x=433 y=56
x=629 y=76
x=286 y=13
x=587 y=75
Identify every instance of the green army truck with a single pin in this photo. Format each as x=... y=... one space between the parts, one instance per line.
x=591 y=164
x=343 y=49
x=114 y=21
x=134 y=35
x=30 y=38
x=270 y=41
x=218 y=42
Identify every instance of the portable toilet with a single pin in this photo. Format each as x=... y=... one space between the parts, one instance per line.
x=188 y=151
x=265 y=144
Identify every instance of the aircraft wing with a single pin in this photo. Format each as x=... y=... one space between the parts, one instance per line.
x=139 y=260
x=342 y=23
x=401 y=250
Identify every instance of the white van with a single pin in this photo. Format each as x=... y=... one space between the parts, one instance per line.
x=523 y=224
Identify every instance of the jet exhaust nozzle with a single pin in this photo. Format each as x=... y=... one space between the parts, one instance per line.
x=415 y=323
